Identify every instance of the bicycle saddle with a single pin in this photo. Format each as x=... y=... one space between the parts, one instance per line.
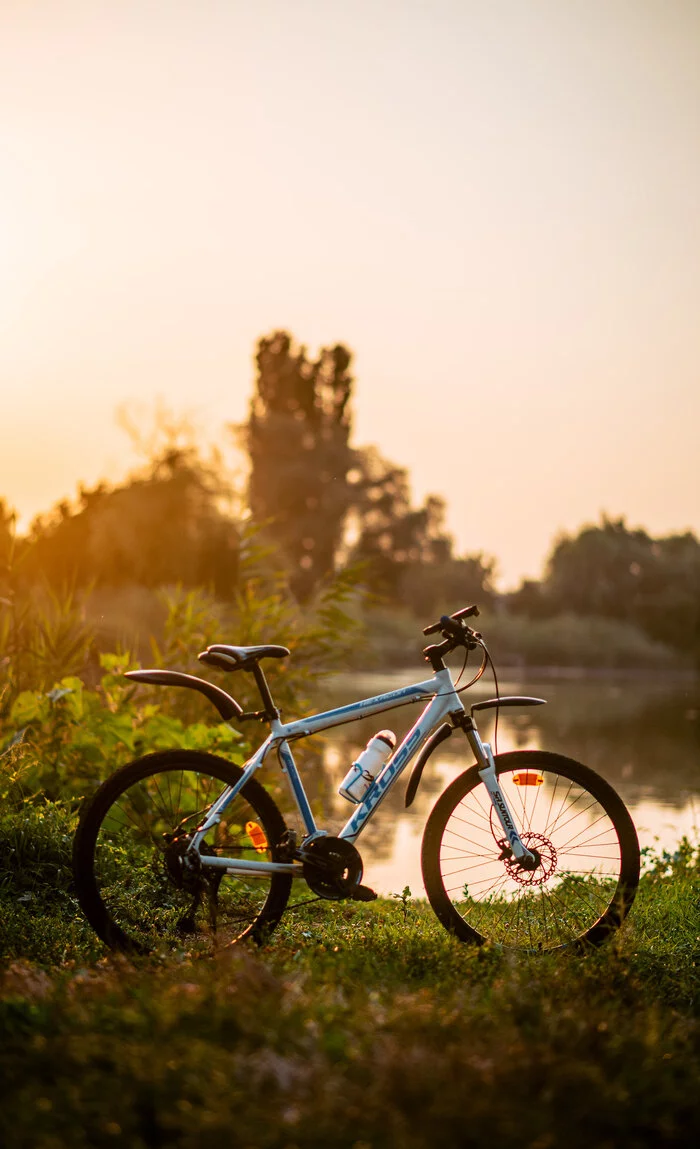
x=239 y=657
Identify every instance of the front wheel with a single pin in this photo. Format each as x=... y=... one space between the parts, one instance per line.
x=134 y=883
x=570 y=819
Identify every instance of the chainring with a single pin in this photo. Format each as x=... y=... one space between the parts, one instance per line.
x=332 y=867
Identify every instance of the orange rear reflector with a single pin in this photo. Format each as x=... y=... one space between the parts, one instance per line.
x=528 y=778
x=257 y=836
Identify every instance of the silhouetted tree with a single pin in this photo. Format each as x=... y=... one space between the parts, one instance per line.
x=392 y=536
x=325 y=502
x=297 y=437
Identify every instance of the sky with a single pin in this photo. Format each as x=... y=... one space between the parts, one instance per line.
x=495 y=206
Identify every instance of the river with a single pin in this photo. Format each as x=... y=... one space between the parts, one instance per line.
x=641 y=734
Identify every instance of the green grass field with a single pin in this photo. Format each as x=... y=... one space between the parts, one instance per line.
x=353 y=1026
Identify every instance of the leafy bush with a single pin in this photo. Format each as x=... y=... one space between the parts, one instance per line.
x=64 y=741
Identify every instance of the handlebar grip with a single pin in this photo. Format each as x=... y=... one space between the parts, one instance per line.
x=466 y=612
x=446 y=619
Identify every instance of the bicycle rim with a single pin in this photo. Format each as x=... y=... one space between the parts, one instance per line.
x=588 y=856
x=132 y=876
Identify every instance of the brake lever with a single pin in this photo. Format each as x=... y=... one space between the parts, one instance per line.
x=452 y=624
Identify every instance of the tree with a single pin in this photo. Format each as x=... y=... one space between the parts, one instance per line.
x=432 y=589
x=297 y=437
x=613 y=571
x=326 y=503
x=162 y=526
x=392 y=536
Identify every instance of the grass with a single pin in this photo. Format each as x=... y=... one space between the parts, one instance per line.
x=353 y=1026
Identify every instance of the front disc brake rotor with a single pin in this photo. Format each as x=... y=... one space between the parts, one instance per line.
x=546 y=861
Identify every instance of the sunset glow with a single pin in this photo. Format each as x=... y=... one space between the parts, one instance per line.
x=495 y=207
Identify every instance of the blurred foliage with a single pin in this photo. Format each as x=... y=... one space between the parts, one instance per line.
x=613 y=572
x=318 y=635
x=43 y=630
x=58 y=744
x=327 y=504
x=68 y=717
x=394 y=539
x=324 y=518
x=166 y=525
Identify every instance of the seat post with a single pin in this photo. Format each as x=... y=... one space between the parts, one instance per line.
x=261 y=682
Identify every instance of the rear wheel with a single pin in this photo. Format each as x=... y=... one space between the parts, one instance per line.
x=133 y=882
x=581 y=834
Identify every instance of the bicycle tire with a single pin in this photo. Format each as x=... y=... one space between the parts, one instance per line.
x=128 y=876
x=588 y=870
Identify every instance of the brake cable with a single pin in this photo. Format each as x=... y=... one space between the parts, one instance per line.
x=498 y=695
x=477 y=676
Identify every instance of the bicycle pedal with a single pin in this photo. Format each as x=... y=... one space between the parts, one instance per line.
x=362 y=894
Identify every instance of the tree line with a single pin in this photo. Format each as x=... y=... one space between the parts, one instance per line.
x=320 y=503
x=323 y=505
x=613 y=571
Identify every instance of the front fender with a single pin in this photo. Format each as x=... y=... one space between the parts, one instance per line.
x=435 y=739
x=227 y=706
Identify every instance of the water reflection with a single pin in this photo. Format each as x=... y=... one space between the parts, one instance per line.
x=642 y=735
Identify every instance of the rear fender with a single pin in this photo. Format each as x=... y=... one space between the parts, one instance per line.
x=228 y=707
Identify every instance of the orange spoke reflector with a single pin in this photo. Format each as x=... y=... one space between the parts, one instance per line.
x=257 y=836
x=528 y=778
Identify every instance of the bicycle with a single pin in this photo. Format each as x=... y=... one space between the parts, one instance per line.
x=527 y=849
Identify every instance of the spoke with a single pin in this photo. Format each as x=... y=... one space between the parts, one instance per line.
x=566 y=807
x=140 y=821
x=589 y=826
x=551 y=802
x=157 y=800
x=577 y=815
x=468 y=869
x=557 y=921
x=527 y=818
x=170 y=793
x=471 y=841
x=571 y=909
x=452 y=889
x=543 y=903
x=502 y=878
x=465 y=822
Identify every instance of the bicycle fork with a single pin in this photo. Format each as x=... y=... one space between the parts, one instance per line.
x=487 y=773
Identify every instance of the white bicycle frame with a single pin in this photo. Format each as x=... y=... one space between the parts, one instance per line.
x=443 y=701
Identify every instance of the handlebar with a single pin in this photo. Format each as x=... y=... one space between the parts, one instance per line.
x=451 y=624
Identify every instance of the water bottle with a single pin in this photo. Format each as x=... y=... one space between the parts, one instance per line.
x=364 y=770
